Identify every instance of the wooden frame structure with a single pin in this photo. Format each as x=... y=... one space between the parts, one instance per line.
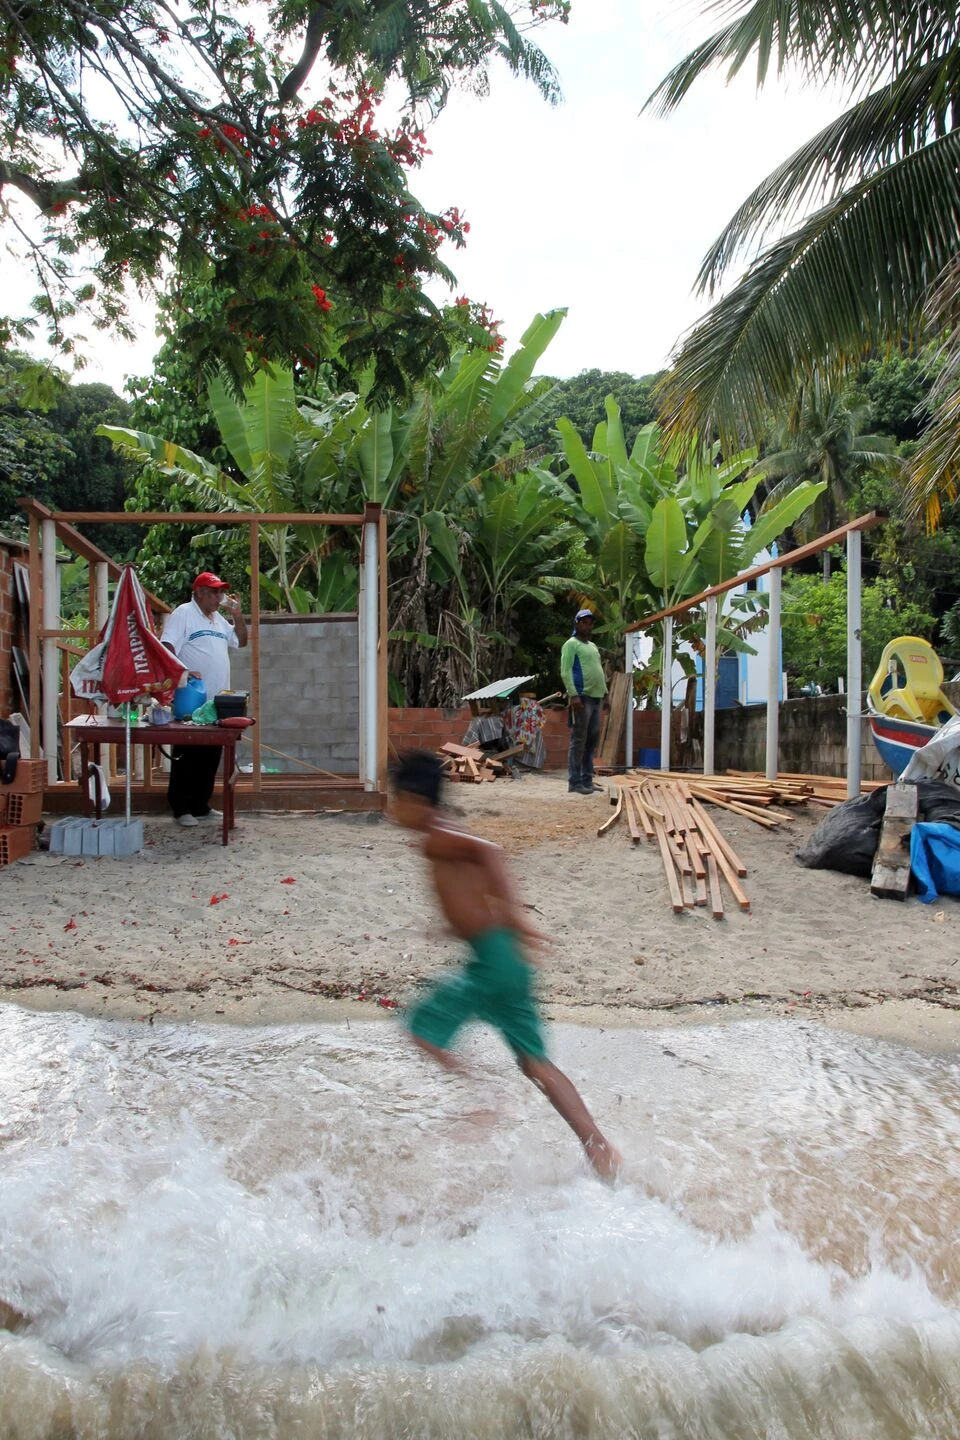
x=851 y=533
x=47 y=640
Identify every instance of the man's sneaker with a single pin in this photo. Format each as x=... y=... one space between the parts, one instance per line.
x=588 y=789
x=187 y=820
x=211 y=815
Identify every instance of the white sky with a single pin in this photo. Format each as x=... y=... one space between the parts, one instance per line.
x=592 y=205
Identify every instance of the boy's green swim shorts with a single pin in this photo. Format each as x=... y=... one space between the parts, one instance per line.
x=494 y=986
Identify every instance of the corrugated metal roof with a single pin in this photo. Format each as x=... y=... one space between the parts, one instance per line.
x=500 y=689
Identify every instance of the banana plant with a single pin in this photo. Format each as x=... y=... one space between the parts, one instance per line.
x=663 y=524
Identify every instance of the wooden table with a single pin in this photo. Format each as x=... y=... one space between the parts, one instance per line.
x=92 y=731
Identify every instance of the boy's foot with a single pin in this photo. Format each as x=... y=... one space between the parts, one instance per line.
x=586 y=790
x=606 y=1161
x=187 y=820
x=211 y=815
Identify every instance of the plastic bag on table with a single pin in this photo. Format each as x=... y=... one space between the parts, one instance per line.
x=205 y=714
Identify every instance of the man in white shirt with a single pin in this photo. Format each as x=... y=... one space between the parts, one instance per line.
x=198 y=634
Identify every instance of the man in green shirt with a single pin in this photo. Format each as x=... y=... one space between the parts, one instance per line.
x=582 y=673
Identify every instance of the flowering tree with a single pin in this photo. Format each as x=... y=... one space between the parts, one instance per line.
x=141 y=140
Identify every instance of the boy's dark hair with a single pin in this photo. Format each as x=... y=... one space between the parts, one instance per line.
x=419 y=773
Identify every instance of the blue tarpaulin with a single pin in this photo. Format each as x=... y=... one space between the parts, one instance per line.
x=935 y=861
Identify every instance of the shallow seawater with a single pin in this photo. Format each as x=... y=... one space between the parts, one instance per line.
x=309 y=1232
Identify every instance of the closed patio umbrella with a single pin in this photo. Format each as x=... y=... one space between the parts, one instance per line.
x=128 y=662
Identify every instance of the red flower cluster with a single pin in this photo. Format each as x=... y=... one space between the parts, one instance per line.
x=320 y=295
x=408 y=146
x=229 y=132
x=482 y=317
x=256 y=212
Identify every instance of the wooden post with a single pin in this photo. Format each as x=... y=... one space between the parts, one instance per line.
x=255 y=648
x=891 y=864
x=666 y=693
x=50 y=661
x=854 y=661
x=383 y=668
x=710 y=689
x=773 y=678
x=33 y=644
x=369 y=612
x=628 y=750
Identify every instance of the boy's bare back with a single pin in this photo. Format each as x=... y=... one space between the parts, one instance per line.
x=472 y=883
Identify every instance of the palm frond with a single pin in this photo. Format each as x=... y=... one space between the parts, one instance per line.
x=855 y=275
x=858 y=40
x=892 y=122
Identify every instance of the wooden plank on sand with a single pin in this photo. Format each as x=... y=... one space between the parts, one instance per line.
x=615 y=816
x=891 y=865
x=713 y=879
x=676 y=899
x=631 y=814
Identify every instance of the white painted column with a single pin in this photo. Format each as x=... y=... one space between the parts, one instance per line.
x=369 y=607
x=628 y=667
x=50 y=666
x=666 y=693
x=854 y=660
x=710 y=689
x=102 y=581
x=773 y=676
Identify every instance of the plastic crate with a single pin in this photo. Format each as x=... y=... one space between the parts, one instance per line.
x=29 y=778
x=20 y=809
x=16 y=841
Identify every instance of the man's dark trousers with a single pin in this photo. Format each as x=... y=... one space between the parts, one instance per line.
x=584 y=733
x=193 y=774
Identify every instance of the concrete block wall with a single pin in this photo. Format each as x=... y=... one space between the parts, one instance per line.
x=813 y=737
x=309 y=691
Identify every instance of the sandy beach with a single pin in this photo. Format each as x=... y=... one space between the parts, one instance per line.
x=304 y=918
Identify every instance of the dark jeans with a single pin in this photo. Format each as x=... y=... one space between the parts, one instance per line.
x=584 y=733
x=193 y=773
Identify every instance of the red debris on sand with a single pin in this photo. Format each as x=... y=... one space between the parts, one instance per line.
x=387 y=1004
x=71 y=924
x=289 y=881
x=215 y=899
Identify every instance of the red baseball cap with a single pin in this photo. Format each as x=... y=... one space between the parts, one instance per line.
x=211 y=581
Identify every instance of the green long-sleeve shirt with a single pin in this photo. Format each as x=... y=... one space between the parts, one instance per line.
x=581 y=669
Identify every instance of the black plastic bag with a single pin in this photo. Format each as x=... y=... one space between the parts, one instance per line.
x=846 y=839
x=9 y=751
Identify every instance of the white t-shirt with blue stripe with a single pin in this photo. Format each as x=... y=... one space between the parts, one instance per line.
x=203 y=643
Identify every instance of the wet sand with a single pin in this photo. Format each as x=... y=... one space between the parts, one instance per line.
x=328 y=916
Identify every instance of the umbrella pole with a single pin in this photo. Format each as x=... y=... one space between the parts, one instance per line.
x=128 y=762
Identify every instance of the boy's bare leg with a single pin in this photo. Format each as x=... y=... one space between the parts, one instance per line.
x=565 y=1099
x=445 y=1058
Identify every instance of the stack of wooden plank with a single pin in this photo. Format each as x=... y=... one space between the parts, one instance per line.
x=696 y=857
x=822 y=790
x=765 y=802
x=473 y=765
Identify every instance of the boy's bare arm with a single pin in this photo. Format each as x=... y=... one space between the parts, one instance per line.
x=456 y=846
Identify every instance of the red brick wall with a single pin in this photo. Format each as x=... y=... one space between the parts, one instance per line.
x=6 y=626
x=428 y=729
x=410 y=729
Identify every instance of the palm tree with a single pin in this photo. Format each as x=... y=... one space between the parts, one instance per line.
x=822 y=438
x=862 y=269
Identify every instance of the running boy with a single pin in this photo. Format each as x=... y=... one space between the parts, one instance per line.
x=478 y=900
